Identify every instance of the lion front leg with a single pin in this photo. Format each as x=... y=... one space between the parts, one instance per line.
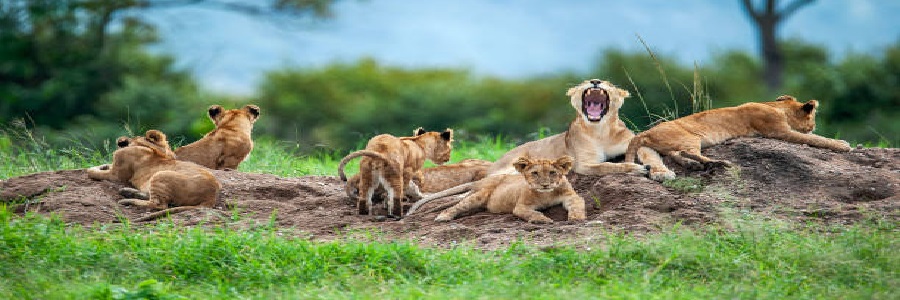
x=530 y=214
x=610 y=168
x=574 y=204
x=812 y=140
x=658 y=170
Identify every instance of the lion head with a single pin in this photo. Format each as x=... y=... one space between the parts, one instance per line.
x=594 y=99
x=544 y=175
x=800 y=116
x=245 y=115
x=438 y=144
x=153 y=139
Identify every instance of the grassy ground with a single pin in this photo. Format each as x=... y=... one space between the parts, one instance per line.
x=43 y=258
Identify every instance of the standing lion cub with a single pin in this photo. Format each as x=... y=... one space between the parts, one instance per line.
x=785 y=119
x=150 y=167
x=392 y=162
x=541 y=183
x=229 y=144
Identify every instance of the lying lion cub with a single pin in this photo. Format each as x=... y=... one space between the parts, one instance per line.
x=392 y=162
x=541 y=183
x=226 y=146
x=784 y=119
x=147 y=163
x=434 y=179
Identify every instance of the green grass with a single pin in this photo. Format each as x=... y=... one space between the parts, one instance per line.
x=43 y=258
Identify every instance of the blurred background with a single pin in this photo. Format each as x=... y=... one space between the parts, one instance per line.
x=329 y=74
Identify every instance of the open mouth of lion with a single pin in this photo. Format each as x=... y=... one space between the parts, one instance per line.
x=594 y=104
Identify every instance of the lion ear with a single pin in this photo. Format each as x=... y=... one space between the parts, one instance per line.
x=786 y=98
x=214 y=111
x=564 y=163
x=253 y=110
x=623 y=93
x=122 y=142
x=522 y=163
x=419 y=131
x=810 y=106
x=155 y=136
x=447 y=134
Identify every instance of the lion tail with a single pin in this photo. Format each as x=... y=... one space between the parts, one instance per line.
x=456 y=190
x=636 y=143
x=359 y=153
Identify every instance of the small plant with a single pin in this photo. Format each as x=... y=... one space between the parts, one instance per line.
x=685 y=184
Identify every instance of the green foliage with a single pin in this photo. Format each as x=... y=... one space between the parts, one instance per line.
x=45 y=258
x=685 y=184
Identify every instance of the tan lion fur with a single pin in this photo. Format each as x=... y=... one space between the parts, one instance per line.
x=147 y=163
x=229 y=144
x=392 y=162
x=434 y=179
x=541 y=183
x=590 y=141
x=784 y=119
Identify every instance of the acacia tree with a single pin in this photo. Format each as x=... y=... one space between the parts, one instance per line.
x=767 y=19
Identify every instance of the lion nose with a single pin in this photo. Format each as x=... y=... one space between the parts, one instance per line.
x=596 y=82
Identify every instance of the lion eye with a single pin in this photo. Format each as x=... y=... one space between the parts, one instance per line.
x=552 y=173
x=534 y=173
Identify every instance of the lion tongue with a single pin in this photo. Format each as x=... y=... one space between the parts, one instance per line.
x=594 y=109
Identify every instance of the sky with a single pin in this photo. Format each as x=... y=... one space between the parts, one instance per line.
x=230 y=52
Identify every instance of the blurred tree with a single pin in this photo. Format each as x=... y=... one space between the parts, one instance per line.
x=767 y=21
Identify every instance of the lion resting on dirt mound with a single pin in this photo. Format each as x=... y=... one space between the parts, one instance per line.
x=229 y=144
x=147 y=163
x=596 y=135
x=541 y=183
x=392 y=162
x=784 y=119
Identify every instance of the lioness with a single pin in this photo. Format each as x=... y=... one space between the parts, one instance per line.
x=541 y=183
x=148 y=164
x=391 y=162
x=594 y=136
x=784 y=119
x=229 y=144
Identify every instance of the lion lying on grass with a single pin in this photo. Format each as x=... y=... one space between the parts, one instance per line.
x=392 y=162
x=229 y=144
x=541 y=183
x=682 y=139
x=147 y=163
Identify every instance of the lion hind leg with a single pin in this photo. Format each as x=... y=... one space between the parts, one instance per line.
x=610 y=168
x=685 y=161
x=707 y=162
x=133 y=193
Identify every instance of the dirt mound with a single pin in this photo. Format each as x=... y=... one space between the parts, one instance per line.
x=777 y=179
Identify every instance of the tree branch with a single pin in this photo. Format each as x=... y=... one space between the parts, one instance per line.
x=793 y=7
x=748 y=6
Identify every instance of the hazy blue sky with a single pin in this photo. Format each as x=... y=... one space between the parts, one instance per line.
x=229 y=52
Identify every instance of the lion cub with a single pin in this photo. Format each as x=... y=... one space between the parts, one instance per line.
x=391 y=162
x=229 y=144
x=434 y=179
x=784 y=119
x=150 y=166
x=541 y=183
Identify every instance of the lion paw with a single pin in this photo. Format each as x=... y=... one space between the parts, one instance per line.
x=576 y=217
x=443 y=218
x=661 y=176
x=133 y=193
x=541 y=220
x=693 y=165
x=844 y=146
x=637 y=169
x=718 y=164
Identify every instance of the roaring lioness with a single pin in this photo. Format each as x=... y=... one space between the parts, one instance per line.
x=229 y=144
x=392 y=162
x=596 y=135
x=541 y=183
x=148 y=164
x=784 y=119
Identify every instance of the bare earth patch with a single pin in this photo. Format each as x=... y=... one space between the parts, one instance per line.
x=776 y=179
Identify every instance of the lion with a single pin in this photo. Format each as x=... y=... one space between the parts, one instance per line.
x=595 y=136
x=148 y=164
x=392 y=162
x=229 y=144
x=434 y=179
x=541 y=183
x=784 y=119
